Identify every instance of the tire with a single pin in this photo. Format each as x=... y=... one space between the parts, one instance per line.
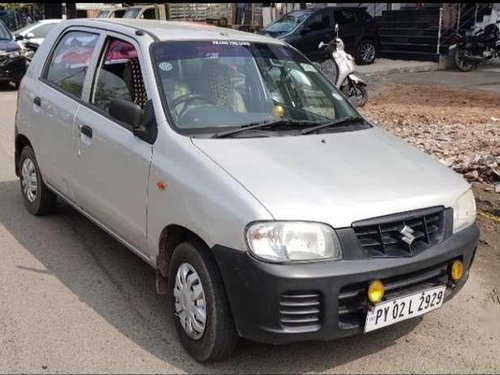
x=330 y=70
x=357 y=94
x=219 y=338
x=38 y=199
x=366 y=52
x=461 y=63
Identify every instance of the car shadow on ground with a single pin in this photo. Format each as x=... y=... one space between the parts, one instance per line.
x=120 y=287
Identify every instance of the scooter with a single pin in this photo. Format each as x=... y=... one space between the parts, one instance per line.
x=342 y=68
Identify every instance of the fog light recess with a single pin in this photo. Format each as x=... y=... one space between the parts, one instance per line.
x=457 y=270
x=376 y=291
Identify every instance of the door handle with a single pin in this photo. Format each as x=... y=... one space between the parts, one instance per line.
x=86 y=130
x=37 y=101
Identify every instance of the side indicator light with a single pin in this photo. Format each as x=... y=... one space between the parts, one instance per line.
x=162 y=185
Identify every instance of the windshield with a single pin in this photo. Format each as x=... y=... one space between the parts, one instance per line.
x=103 y=14
x=27 y=27
x=214 y=85
x=287 y=23
x=132 y=13
x=4 y=32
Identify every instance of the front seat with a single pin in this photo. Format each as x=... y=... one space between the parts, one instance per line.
x=133 y=78
x=220 y=90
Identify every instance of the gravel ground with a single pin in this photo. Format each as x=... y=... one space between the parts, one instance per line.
x=459 y=127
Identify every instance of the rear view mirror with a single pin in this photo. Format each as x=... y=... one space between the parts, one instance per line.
x=126 y=112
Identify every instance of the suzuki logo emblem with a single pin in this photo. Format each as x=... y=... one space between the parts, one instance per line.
x=407 y=233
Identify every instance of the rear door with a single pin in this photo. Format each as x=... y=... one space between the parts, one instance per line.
x=54 y=101
x=112 y=165
x=318 y=27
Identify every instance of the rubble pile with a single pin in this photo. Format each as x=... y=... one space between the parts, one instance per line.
x=460 y=129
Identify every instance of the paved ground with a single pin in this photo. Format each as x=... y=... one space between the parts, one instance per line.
x=74 y=300
x=487 y=77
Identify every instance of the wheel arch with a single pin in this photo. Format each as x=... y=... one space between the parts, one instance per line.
x=21 y=141
x=171 y=236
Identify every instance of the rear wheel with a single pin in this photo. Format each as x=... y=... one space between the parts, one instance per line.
x=461 y=62
x=366 y=52
x=38 y=199
x=201 y=311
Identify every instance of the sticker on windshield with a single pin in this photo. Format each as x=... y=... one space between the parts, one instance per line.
x=231 y=42
x=308 y=67
x=165 y=66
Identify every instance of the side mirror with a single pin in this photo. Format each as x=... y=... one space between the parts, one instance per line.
x=336 y=30
x=127 y=112
x=142 y=122
x=305 y=30
x=30 y=36
x=322 y=45
x=18 y=37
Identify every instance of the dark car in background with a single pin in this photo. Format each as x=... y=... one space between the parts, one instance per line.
x=12 y=61
x=305 y=29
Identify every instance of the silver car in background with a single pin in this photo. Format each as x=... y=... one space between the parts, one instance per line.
x=268 y=206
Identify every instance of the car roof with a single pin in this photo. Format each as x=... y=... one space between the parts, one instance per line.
x=174 y=30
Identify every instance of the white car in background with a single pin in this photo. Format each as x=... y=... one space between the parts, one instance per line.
x=35 y=33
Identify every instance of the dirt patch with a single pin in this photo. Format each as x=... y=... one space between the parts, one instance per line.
x=460 y=128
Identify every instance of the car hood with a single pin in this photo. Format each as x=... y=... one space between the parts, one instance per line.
x=336 y=178
x=8 y=45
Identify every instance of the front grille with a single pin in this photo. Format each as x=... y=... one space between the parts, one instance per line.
x=301 y=310
x=353 y=297
x=382 y=237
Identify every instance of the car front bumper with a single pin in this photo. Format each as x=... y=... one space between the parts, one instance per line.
x=12 y=69
x=281 y=303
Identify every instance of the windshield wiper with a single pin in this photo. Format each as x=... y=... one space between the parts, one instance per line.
x=340 y=121
x=264 y=125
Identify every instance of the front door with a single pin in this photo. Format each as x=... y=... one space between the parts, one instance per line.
x=317 y=28
x=112 y=165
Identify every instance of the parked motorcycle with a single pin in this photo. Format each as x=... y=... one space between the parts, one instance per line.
x=476 y=47
x=341 y=67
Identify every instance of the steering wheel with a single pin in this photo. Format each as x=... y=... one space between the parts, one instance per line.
x=189 y=98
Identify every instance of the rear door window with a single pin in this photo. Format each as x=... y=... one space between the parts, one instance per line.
x=70 y=60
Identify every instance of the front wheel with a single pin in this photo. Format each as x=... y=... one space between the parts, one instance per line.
x=461 y=61
x=357 y=93
x=201 y=311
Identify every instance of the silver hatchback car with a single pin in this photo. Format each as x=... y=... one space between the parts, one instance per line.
x=270 y=209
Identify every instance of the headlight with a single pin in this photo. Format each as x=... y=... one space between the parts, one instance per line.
x=464 y=211
x=292 y=241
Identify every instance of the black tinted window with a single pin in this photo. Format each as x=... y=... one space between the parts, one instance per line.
x=70 y=60
x=344 y=17
x=318 y=21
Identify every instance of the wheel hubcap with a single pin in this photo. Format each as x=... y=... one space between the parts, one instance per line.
x=367 y=52
x=29 y=181
x=190 y=302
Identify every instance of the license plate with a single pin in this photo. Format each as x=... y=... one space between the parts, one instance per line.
x=399 y=309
